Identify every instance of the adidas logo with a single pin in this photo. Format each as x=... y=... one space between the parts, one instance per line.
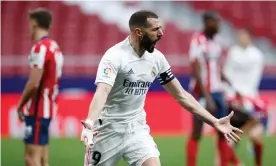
x=130 y=72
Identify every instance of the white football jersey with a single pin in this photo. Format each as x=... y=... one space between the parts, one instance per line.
x=244 y=68
x=130 y=77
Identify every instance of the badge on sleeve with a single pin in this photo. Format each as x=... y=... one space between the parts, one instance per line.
x=107 y=72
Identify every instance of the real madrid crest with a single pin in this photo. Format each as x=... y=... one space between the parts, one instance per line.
x=153 y=71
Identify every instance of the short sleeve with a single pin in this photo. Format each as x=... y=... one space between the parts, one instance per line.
x=38 y=56
x=108 y=69
x=195 y=50
x=165 y=74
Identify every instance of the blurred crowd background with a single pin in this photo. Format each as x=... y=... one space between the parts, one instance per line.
x=84 y=30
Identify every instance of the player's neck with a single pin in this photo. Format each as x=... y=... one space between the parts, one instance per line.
x=136 y=46
x=40 y=34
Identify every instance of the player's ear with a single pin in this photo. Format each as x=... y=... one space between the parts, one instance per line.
x=138 y=32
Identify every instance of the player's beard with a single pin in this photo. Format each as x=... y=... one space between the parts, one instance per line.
x=211 y=32
x=147 y=44
x=214 y=31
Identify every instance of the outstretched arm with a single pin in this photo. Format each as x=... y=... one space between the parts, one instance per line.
x=172 y=85
x=189 y=103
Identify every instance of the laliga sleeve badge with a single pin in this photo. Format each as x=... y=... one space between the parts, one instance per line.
x=107 y=72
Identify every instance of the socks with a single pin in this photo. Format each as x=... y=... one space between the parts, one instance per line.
x=233 y=158
x=191 y=152
x=223 y=149
x=258 y=149
x=226 y=153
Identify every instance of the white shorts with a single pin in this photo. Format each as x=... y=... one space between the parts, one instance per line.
x=131 y=141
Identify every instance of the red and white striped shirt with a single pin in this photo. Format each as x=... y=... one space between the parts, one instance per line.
x=208 y=53
x=46 y=55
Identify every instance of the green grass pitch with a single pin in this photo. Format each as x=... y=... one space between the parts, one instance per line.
x=70 y=152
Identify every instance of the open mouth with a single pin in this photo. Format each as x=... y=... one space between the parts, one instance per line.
x=154 y=43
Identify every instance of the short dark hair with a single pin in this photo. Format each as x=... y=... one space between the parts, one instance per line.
x=42 y=16
x=210 y=15
x=139 y=18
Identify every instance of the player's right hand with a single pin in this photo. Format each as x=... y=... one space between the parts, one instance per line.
x=87 y=133
x=230 y=132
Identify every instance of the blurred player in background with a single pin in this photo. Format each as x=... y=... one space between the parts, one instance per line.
x=116 y=125
x=206 y=86
x=39 y=95
x=244 y=67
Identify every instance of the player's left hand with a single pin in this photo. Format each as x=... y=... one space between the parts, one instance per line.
x=230 y=132
x=20 y=114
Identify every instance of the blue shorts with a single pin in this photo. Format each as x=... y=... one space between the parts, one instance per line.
x=219 y=101
x=264 y=122
x=36 y=130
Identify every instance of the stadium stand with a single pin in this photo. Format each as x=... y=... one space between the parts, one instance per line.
x=85 y=30
x=257 y=15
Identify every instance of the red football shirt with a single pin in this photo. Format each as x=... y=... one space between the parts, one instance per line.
x=46 y=55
